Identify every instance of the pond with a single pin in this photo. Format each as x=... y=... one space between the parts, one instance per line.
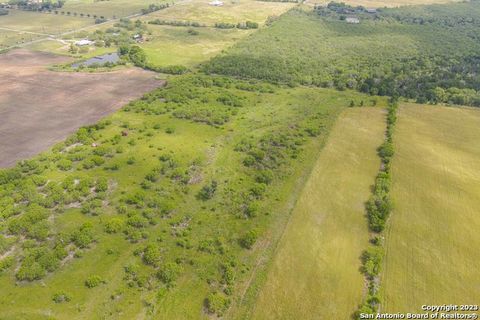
x=98 y=60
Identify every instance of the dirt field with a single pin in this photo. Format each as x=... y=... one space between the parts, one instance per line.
x=39 y=107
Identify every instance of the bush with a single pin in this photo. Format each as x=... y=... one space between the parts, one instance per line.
x=94 y=281
x=168 y=273
x=60 y=297
x=114 y=225
x=64 y=165
x=102 y=185
x=208 y=191
x=151 y=254
x=83 y=237
x=249 y=239
x=217 y=303
x=372 y=261
x=6 y=263
x=386 y=151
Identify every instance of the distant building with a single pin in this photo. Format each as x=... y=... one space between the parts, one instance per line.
x=83 y=42
x=138 y=38
x=352 y=20
x=371 y=10
x=216 y=3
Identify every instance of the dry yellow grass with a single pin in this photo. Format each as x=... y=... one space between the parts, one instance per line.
x=315 y=273
x=433 y=240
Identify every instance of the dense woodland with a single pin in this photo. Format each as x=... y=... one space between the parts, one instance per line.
x=430 y=54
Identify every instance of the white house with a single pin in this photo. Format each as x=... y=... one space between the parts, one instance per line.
x=83 y=42
x=216 y=3
x=352 y=20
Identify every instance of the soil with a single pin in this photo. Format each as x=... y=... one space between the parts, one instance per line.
x=39 y=107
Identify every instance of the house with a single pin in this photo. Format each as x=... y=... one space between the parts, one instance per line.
x=83 y=42
x=138 y=38
x=216 y=3
x=371 y=10
x=352 y=20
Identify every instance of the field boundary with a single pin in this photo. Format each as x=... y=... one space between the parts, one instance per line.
x=378 y=209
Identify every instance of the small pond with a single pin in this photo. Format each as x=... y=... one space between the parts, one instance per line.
x=98 y=60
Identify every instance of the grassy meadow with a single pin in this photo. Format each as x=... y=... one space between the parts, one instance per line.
x=314 y=274
x=43 y=23
x=170 y=219
x=176 y=46
x=108 y=9
x=432 y=240
x=231 y=11
x=9 y=38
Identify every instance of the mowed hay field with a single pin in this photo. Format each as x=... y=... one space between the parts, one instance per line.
x=315 y=273
x=433 y=240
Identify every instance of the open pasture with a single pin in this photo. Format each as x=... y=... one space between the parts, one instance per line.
x=39 y=107
x=108 y=9
x=10 y=38
x=433 y=239
x=43 y=24
x=175 y=45
x=315 y=273
x=231 y=11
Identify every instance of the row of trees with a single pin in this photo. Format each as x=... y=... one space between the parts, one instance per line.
x=378 y=209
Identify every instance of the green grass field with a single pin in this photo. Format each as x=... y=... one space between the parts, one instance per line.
x=314 y=274
x=108 y=9
x=231 y=11
x=9 y=38
x=155 y=175
x=43 y=23
x=433 y=240
x=174 y=45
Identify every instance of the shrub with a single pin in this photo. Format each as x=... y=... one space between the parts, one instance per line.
x=208 y=191
x=83 y=237
x=114 y=225
x=60 y=297
x=217 y=303
x=64 y=165
x=168 y=273
x=102 y=185
x=249 y=239
x=94 y=281
x=372 y=261
x=6 y=263
x=151 y=254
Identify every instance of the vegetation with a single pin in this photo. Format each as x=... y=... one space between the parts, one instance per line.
x=434 y=188
x=192 y=202
x=318 y=256
x=378 y=209
x=78 y=208
x=394 y=52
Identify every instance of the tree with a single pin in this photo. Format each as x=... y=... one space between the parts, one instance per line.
x=249 y=239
